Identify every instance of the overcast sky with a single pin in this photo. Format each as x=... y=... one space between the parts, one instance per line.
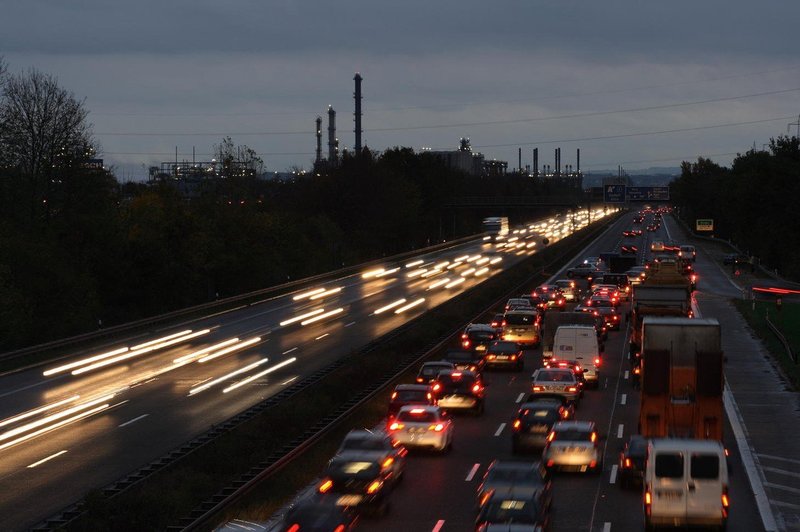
x=615 y=78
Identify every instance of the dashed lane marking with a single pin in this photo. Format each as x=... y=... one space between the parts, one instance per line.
x=500 y=429
x=43 y=460
x=606 y=527
x=134 y=420
x=520 y=396
x=624 y=399
x=620 y=428
x=439 y=525
x=626 y=374
x=472 y=472
x=613 y=478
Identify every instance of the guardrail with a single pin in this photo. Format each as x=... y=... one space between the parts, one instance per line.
x=782 y=339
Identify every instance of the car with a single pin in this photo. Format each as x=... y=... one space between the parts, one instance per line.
x=574 y=446
x=410 y=394
x=502 y=353
x=466 y=360
x=555 y=381
x=620 y=280
x=574 y=365
x=533 y=423
x=657 y=245
x=377 y=445
x=522 y=327
x=422 y=426
x=628 y=249
x=636 y=274
x=584 y=271
x=460 y=390
x=319 y=513
x=605 y=308
x=502 y=475
x=497 y=321
x=430 y=370
x=552 y=295
x=514 y=509
x=735 y=259
x=518 y=302
x=653 y=227
x=568 y=288
x=357 y=480
x=632 y=461
x=477 y=336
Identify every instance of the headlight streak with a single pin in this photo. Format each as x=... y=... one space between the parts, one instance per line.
x=54 y=417
x=416 y=273
x=414 y=263
x=456 y=282
x=307 y=294
x=482 y=271
x=228 y=350
x=431 y=273
x=372 y=273
x=439 y=283
x=479 y=262
x=390 y=306
x=496 y=260
x=455 y=264
x=205 y=350
x=301 y=317
x=384 y=273
x=31 y=413
x=473 y=258
x=84 y=361
x=132 y=354
x=326 y=293
x=259 y=375
x=410 y=305
x=53 y=427
x=162 y=339
x=462 y=258
x=467 y=272
x=208 y=384
x=322 y=316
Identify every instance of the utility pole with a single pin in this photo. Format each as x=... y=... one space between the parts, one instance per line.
x=790 y=124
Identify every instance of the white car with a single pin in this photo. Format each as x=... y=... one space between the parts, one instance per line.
x=422 y=426
x=574 y=446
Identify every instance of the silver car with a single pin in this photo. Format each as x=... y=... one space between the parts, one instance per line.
x=555 y=382
x=422 y=426
x=573 y=446
x=522 y=327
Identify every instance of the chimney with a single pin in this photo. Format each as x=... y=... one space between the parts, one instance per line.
x=578 y=169
x=357 y=117
x=519 y=155
x=536 y=162
x=318 y=121
x=332 y=142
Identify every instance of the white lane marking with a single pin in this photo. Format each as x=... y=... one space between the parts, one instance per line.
x=291 y=350
x=626 y=374
x=605 y=386
x=606 y=527
x=613 y=478
x=500 y=429
x=748 y=461
x=349 y=324
x=284 y=383
x=43 y=460
x=781 y=487
x=619 y=430
x=439 y=525
x=786 y=505
x=323 y=336
x=472 y=472
x=624 y=399
x=781 y=471
x=134 y=420
x=773 y=457
x=520 y=396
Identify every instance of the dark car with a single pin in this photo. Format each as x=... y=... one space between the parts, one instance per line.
x=585 y=271
x=534 y=421
x=503 y=475
x=358 y=480
x=376 y=445
x=605 y=309
x=477 y=337
x=501 y=353
x=410 y=394
x=631 y=461
x=466 y=360
x=552 y=295
x=430 y=370
x=515 y=507
x=318 y=514
x=497 y=321
x=460 y=390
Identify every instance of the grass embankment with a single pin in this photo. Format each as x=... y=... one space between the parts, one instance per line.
x=787 y=320
x=166 y=496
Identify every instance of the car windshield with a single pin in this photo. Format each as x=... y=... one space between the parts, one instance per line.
x=417 y=416
x=572 y=434
x=520 y=319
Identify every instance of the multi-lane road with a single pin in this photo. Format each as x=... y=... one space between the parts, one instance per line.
x=92 y=418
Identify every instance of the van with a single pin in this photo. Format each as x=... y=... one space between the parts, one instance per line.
x=579 y=343
x=688 y=252
x=685 y=483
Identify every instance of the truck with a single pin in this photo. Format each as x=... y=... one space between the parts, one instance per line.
x=553 y=320
x=617 y=263
x=496 y=227
x=682 y=378
x=655 y=300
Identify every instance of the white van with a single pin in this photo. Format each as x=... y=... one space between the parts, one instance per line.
x=579 y=343
x=686 y=483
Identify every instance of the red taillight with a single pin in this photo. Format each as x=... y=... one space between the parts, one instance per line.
x=437 y=387
x=325 y=486
x=565 y=413
x=637 y=370
x=648 y=500
x=627 y=463
x=725 y=501
x=551 y=436
x=596 y=313
x=491 y=357
x=294 y=528
x=465 y=343
x=339 y=528
x=537 y=388
x=375 y=486
x=394 y=395
x=550 y=463
x=388 y=462
x=464 y=336
x=593 y=464
x=517 y=424
x=477 y=388
x=513 y=357
x=594 y=438
x=420 y=380
x=597 y=361
x=396 y=426
x=439 y=427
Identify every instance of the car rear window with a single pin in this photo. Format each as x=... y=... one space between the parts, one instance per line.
x=573 y=435
x=669 y=465
x=704 y=466
x=556 y=376
x=520 y=319
x=503 y=347
x=432 y=371
x=412 y=395
x=363 y=444
x=451 y=383
x=484 y=336
x=423 y=416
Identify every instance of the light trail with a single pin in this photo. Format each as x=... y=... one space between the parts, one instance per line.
x=162 y=339
x=416 y=273
x=496 y=260
x=467 y=272
x=322 y=316
x=301 y=317
x=259 y=375
x=414 y=263
x=53 y=427
x=456 y=282
x=228 y=350
x=53 y=417
x=384 y=273
x=208 y=384
x=455 y=264
x=326 y=293
x=372 y=273
x=84 y=361
x=410 y=305
x=31 y=413
x=138 y=352
x=45 y=460
x=205 y=350
x=390 y=306
x=482 y=271
x=438 y=283
x=307 y=294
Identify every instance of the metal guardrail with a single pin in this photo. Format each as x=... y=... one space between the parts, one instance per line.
x=782 y=339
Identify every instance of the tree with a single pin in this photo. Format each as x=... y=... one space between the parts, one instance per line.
x=237 y=161
x=43 y=129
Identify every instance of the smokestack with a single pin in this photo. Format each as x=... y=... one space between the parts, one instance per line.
x=519 y=155
x=536 y=162
x=578 y=170
x=332 y=137
x=318 y=121
x=555 y=161
x=357 y=97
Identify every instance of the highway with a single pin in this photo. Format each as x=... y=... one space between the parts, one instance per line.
x=439 y=491
x=94 y=417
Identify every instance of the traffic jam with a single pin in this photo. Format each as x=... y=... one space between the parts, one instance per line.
x=551 y=343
